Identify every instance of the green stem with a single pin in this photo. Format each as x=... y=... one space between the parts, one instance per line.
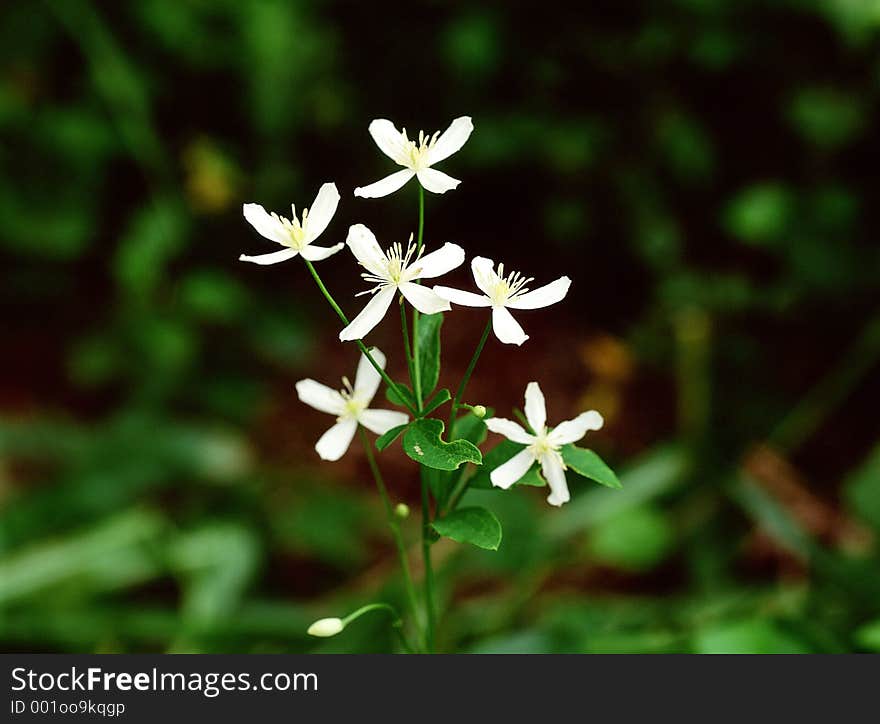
x=363 y=348
x=406 y=348
x=459 y=481
x=396 y=622
x=421 y=219
x=417 y=367
x=429 y=571
x=392 y=523
x=459 y=393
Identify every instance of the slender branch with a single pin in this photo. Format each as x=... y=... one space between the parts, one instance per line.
x=396 y=622
x=459 y=393
x=406 y=347
x=429 y=570
x=363 y=348
x=392 y=524
x=417 y=365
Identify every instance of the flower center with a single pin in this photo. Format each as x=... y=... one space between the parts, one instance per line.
x=504 y=289
x=542 y=446
x=295 y=229
x=354 y=406
x=397 y=266
x=417 y=153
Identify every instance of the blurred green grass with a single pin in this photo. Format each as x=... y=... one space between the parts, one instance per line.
x=703 y=170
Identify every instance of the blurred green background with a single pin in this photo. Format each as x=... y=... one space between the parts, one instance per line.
x=704 y=170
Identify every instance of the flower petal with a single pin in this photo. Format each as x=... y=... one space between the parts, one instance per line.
x=467 y=299
x=573 y=430
x=424 y=299
x=334 y=443
x=366 y=380
x=510 y=429
x=485 y=277
x=436 y=181
x=316 y=253
x=381 y=421
x=266 y=224
x=370 y=315
x=272 y=258
x=554 y=473
x=319 y=396
x=366 y=249
x=507 y=474
x=506 y=328
x=542 y=296
x=536 y=410
x=321 y=211
x=437 y=263
x=389 y=140
x=385 y=186
x=452 y=139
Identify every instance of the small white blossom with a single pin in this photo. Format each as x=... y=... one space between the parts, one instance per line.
x=326 y=627
x=416 y=158
x=500 y=292
x=350 y=406
x=295 y=235
x=543 y=446
x=396 y=269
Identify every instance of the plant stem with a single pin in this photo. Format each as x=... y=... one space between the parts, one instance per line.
x=396 y=622
x=421 y=219
x=459 y=393
x=406 y=347
x=363 y=348
x=392 y=523
x=429 y=571
x=417 y=367
x=459 y=482
x=426 y=503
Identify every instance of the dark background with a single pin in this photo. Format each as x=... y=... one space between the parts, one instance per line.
x=703 y=170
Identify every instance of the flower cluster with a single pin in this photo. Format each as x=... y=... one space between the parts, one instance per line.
x=402 y=269
x=533 y=453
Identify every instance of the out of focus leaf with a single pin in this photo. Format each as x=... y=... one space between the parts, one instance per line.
x=477 y=526
x=588 y=464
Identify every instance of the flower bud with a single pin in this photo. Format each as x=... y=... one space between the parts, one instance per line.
x=326 y=627
x=401 y=510
x=479 y=411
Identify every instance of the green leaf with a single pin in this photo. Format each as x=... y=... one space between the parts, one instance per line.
x=441 y=398
x=390 y=436
x=496 y=457
x=471 y=428
x=429 y=351
x=408 y=399
x=586 y=463
x=423 y=444
x=476 y=526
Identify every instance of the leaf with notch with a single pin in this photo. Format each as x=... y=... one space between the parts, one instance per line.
x=422 y=442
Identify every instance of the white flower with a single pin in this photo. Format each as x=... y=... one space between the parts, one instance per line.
x=500 y=292
x=393 y=270
x=294 y=235
x=543 y=446
x=416 y=159
x=350 y=407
